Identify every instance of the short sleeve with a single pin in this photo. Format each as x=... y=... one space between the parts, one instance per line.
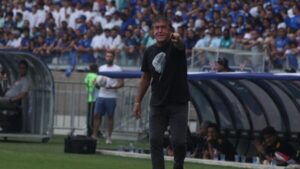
x=145 y=67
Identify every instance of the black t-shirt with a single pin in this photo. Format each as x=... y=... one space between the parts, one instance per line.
x=168 y=68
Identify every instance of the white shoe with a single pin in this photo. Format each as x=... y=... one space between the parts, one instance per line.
x=108 y=141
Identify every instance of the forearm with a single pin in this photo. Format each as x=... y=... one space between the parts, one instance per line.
x=120 y=84
x=18 y=97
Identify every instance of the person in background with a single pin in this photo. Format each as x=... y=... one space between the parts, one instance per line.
x=18 y=90
x=201 y=140
x=221 y=65
x=217 y=146
x=107 y=98
x=92 y=91
x=272 y=149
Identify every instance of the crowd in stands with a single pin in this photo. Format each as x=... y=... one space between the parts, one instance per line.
x=87 y=28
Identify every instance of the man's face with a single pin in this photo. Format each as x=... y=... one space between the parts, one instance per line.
x=22 y=70
x=212 y=134
x=109 y=58
x=162 y=31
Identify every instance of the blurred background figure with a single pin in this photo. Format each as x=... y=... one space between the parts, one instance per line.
x=92 y=91
x=272 y=149
x=218 y=148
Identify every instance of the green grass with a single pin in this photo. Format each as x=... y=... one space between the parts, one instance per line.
x=35 y=155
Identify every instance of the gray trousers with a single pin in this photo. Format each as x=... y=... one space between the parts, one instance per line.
x=174 y=115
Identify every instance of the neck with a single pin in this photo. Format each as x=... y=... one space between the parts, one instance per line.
x=160 y=44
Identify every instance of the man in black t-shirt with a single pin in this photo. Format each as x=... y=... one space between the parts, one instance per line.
x=164 y=66
x=217 y=145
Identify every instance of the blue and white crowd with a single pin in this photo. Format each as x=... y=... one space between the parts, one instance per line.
x=87 y=28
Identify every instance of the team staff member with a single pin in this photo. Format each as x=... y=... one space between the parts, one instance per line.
x=107 y=99
x=164 y=66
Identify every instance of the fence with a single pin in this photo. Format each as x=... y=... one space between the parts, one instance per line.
x=203 y=59
x=82 y=60
x=71 y=109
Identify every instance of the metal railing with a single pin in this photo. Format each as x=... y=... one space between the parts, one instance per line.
x=203 y=59
x=71 y=108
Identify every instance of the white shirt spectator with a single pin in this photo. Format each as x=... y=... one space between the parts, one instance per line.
x=89 y=15
x=33 y=19
x=215 y=42
x=199 y=23
x=106 y=41
x=64 y=13
x=203 y=42
x=116 y=42
x=254 y=12
x=16 y=10
x=26 y=15
x=117 y=21
x=96 y=6
x=97 y=41
x=73 y=17
x=98 y=19
x=55 y=14
x=109 y=93
x=14 y=43
x=41 y=13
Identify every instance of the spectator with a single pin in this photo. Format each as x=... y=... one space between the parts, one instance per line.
x=221 y=65
x=217 y=146
x=216 y=38
x=19 y=21
x=130 y=48
x=226 y=41
x=116 y=44
x=101 y=44
x=26 y=41
x=201 y=140
x=9 y=23
x=14 y=41
x=84 y=49
x=92 y=92
x=190 y=42
x=291 y=54
x=270 y=147
x=280 y=44
x=50 y=42
x=293 y=22
x=107 y=98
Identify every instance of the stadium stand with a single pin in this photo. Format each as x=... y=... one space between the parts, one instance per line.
x=77 y=32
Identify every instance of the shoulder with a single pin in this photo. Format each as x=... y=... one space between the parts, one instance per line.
x=150 y=48
x=117 y=68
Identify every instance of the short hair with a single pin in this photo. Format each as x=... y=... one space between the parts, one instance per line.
x=23 y=62
x=205 y=124
x=214 y=126
x=269 y=130
x=161 y=18
x=111 y=52
x=222 y=61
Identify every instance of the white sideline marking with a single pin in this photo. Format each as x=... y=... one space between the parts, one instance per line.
x=192 y=160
